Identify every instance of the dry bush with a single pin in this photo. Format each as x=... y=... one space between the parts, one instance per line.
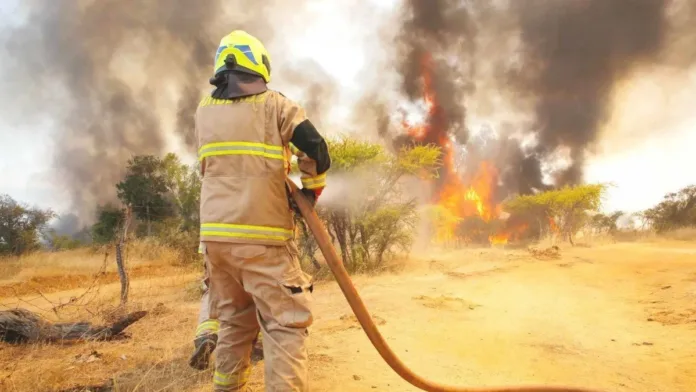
x=683 y=234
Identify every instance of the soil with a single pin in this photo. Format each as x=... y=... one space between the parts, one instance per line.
x=618 y=317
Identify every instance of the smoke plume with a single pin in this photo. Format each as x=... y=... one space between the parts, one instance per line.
x=575 y=53
x=118 y=78
x=559 y=62
x=431 y=31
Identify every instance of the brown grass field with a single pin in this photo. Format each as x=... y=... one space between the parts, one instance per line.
x=611 y=316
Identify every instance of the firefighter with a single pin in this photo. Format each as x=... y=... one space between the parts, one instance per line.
x=244 y=133
x=205 y=339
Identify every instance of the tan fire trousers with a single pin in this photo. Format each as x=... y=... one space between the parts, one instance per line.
x=252 y=286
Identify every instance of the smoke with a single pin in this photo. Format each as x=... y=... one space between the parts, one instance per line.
x=320 y=90
x=117 y=78
x=430 y=32
x=558 y=63
x=575 y=53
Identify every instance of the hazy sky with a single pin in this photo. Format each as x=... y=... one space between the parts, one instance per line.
x=648 y=147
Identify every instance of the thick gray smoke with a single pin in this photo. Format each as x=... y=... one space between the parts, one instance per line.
x=568 y=58
x=575 y=53
x=431 y=31
x=115 y=76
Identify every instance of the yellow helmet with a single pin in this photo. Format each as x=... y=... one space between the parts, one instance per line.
x=240 y=51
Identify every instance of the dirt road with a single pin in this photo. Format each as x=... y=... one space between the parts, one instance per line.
x=615 y=318
x=618 y=318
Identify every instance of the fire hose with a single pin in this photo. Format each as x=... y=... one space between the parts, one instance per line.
x=361 y=313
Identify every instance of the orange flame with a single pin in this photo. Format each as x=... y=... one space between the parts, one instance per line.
x=513 y=233
x=552 y=225
x=461 y=198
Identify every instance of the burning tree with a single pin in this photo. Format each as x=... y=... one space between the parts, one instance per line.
x=465 y=205
x=562 y=211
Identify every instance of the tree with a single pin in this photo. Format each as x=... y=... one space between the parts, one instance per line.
x=21 y=226
x=109 y=221
x=184 y=186
x=474 y=229
x=57 y=241
x=606 y=223
x=373 y=218
x=566 y=208
x=677 y=210
x=444 y=224
x=145 y=190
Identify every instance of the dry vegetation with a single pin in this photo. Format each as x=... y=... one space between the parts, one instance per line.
x=647 y=279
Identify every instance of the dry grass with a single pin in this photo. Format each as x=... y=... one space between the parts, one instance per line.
x=154 y=359
x=53 y=271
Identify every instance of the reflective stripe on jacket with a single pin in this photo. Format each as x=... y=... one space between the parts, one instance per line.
x=244 y=151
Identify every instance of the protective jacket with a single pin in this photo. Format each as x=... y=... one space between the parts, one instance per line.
x=245 y=156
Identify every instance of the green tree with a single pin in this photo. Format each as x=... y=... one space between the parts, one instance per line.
x=184 y=186
x=109 y=221
x=606 y=223
x=144 y=189
x=373 y=218
x=677 y=210
x=567 y=208
x=21 y=226
x=57 y=241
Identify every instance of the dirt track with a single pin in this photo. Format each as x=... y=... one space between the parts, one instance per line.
x=614 y=318
x=619 y=318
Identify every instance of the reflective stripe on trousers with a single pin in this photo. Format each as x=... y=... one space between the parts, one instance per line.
x=245 y=231
x=231 y=381
x=208 y=327
x=241 y=148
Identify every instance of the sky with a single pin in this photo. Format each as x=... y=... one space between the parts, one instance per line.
x=647 y=148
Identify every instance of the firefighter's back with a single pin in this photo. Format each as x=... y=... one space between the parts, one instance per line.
x=245 y=163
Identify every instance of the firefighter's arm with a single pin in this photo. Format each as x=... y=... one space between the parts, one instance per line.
x=307 y=144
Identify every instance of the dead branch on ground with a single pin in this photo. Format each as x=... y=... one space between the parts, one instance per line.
x=20 y=326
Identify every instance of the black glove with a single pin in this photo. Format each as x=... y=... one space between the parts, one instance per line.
x=309 y=194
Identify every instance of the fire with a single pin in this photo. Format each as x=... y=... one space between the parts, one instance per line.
x=552 y=225
x=458 y=197
x=513 y=233
x=473 y=197
x=498 y=239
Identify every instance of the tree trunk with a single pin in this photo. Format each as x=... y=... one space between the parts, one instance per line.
x=123 y=276
x=570 y=239
x=309 y=245
x=342 y=239
x=120 y=263
x=149 y=221
x=365 y=242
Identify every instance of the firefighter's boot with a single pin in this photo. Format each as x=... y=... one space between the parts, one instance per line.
x=203 y=349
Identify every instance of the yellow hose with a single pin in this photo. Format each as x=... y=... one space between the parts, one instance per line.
x=344 y=282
